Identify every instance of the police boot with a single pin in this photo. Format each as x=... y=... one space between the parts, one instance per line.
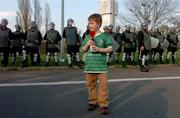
x=4 y=63
x=47 y=64
x=146 y=63
x=70 y=65
x=117 y=61
x=79 y=64
x=123 y=64
x=144 y=69
x=173 y=59
x=24 y=64
x=167 y=61
x=154 y=62
x=56 y=63
x=139 y=61
x=13 y=62
x=161 y=61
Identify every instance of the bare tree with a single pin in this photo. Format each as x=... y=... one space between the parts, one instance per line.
x=24 y=14
x=150 y=11
x=37 y=13
x=47 y=16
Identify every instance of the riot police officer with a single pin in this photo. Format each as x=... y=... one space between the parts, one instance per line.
x=72 y=41
x=144 y=43
x=5 y=37
x=33 y=40
x=173 y=41
x=119 y=41
x=17 y=43
x=129 y=40
x=52 y=38
x=159 y=50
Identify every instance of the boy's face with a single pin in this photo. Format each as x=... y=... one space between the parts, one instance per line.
x=93 y=26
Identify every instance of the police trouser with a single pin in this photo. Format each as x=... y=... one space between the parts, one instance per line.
x=159 y=51
x=171 y=50
x=117 y=53
x=73 y=50
x=128 y=54
x=4 y=54
x=143 y=56
x=34 y=53
x=55 y=54
x=14 y=51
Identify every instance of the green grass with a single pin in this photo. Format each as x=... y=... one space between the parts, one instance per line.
x=43 y=56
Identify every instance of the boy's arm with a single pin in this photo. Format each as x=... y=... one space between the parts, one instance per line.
x=107 y=48
x=103 y=50
x=85 y=48
x=87 y=45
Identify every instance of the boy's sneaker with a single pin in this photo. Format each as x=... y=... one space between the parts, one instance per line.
x=104 y=110
x=92 y=107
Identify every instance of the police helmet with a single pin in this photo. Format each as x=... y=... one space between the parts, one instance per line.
x=4 y=22
x=118 y=27
x=32 y=24
x=110 y=27
x=70 y=20
x=17 y=26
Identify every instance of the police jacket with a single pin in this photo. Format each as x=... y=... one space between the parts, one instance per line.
x=52 y=37
x=71 y=36
x=33 y=38
x=5 y=37
x=18 y=39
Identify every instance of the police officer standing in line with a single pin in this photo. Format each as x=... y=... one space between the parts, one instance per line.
x=52 y=38
x=119 y=41
x=144 y=43
x=5 y=37
x=159 y=50
x=17 y=43
x=173 y=41
x=112 y=35
x=129 y=43
x=135 y=44
x=106 y=30
x=72 y=41
x=33 y=40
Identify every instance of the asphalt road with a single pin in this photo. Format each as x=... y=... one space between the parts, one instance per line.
x=63 y=94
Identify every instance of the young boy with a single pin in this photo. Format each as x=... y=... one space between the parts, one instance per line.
x=96 y=65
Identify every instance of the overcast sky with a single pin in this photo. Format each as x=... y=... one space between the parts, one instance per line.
x=79 y=10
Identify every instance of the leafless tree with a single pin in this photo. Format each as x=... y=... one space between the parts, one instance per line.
x=47 y=16
x=24 y=14
x=37 y=13
x=150 y=11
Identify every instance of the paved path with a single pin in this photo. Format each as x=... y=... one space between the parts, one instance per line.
x=63 y=94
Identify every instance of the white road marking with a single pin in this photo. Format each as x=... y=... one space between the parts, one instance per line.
x=83 y=82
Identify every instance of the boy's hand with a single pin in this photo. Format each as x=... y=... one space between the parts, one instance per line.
x=90 y=42
x=96 y=49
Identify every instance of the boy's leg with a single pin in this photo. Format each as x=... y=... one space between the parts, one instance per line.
x=91 y=81
x=103 y=98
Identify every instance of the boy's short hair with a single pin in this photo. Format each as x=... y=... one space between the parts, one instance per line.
x=97 y=18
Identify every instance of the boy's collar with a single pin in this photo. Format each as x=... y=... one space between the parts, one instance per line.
x=98 y=33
